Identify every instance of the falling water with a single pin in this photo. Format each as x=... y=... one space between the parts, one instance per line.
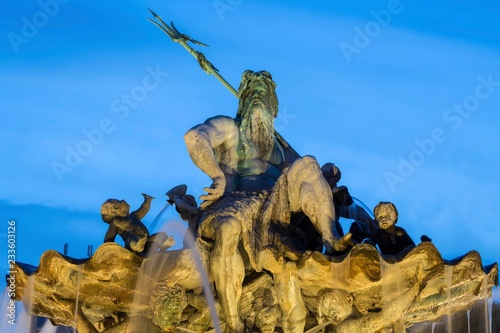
x=177 y=227
x=490 y=313
x=78 y=281
x=23 y=321
x=433 y=327
x=157 y=218
x=207 y=289
x=340 y=272
x=335 y=274
x=448 y=281
x=487 y=307
x=4 y=303
x=48 y=327
x=468 y=321
x=29 y=294
x=363 y=206
x=392 y=281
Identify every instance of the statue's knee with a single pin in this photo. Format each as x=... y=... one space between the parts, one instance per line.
x=306 y=164
x=309 y=160
x=228 y=228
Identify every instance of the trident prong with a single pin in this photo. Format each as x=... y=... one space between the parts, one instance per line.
x=172 y=31
x=206 y=65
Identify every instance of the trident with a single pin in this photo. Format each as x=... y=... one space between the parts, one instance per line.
x=206 y=65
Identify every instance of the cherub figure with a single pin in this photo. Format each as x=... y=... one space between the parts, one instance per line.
x=186 y=206
x=129 y=226
x=345 y=206
x=390 y=239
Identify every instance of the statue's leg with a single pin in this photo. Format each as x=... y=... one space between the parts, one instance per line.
x=159 y=240
x=134 y=242
x=293 y=310
x=309 y=192
x=228 y=270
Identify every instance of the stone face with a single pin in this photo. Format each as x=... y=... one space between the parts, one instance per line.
x=167 y=304
x=119 y=290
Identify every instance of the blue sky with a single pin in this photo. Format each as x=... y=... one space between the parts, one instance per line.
x=402 y=95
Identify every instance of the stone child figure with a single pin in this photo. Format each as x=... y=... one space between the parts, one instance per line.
x=390 y=238
x=241 y=155
x=129 y=226
x=364 y=225
x=186 y=206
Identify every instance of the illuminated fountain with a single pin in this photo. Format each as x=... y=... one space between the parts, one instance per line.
x=264 y=251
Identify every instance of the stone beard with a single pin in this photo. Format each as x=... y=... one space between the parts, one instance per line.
x=257 y=110
x=257 y=131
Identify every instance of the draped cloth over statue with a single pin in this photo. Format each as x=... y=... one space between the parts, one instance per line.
x=265 y=218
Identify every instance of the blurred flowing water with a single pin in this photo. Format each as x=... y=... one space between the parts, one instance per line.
x=391 y=280
x=178 y=228
x=78 y=282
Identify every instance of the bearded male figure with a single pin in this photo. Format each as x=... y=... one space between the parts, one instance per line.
x=241 y=155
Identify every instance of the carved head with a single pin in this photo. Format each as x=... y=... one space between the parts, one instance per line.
x=386 y=215
x=334 y=305
x=113 y=208
x=257 y=109
x=257 y=88
x=267 y=318
x=331 y=173
x=167 y=303
x=191 y=201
